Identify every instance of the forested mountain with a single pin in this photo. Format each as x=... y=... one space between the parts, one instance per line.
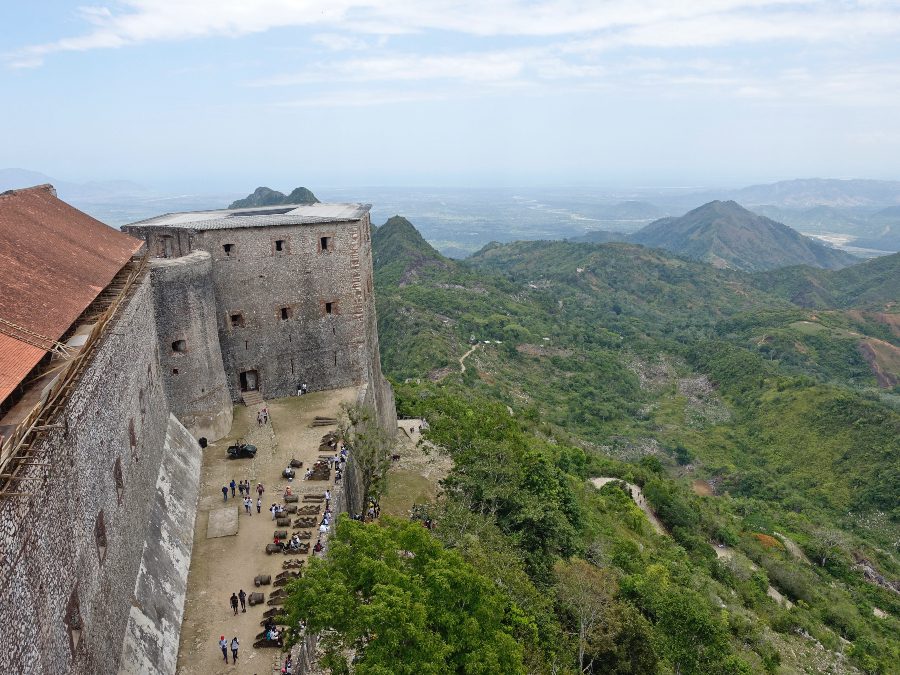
x=263 y=196
x=760 y=435
x=727 y=235
x=874 y=284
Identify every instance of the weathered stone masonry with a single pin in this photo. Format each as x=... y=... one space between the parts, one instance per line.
x=294 y=293
x=67 y=597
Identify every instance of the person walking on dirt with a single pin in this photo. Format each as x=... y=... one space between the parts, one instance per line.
x=234 y=648
x=243 y=598
x=223 y=644
x=225 y=492
x=260 y=489
x=234 y=602
x=232 y=485
x=259 y=505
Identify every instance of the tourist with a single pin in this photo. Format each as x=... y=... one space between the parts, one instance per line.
x=234 y=648
x=248 y=504
x=260 y=489
x=259 y=418
x=323 y=529
x=241 y=489
x=223 y=644
x=243 y=598
x=274 y=511
x=225 y=492
x=234 y=602
x=232 y=485
x=318 y=547
x=259 y=505
x=327 y=499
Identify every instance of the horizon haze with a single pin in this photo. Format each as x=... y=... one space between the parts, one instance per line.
x=217 y=97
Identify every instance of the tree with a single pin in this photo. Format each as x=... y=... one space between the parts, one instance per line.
x=586 y=592
x=370 y=448
x=612 y=636
x=406 y=604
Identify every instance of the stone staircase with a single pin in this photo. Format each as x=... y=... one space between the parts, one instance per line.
x=251 y=398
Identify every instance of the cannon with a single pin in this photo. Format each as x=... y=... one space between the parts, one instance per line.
x=256 y=598
x=291 y=499
x=284 y=521
x=262 y=580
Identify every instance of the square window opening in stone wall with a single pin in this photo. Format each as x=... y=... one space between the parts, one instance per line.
x=100 y=535
x=179 y=346
x=237 y=319
x=73 y=620
x=174 y=371
x=280 y=246
x=120 y=479
x=329 y=308
x=285 y=313
x=228 y=248
x=326 y=244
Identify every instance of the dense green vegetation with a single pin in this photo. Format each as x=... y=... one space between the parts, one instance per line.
x=755 y=428
x=870 y=285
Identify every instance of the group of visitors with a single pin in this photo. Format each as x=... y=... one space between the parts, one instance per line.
x=239 y=597
x=271 y=631
x=223 y=643
x=302 y=389
x=262 y=417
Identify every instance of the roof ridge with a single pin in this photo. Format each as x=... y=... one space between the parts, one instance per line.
x=46 y=187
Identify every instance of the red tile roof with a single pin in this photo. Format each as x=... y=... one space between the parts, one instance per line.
x=54 y=260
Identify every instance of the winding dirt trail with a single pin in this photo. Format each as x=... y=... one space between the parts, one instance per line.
x=462 y=366
x=638 y=496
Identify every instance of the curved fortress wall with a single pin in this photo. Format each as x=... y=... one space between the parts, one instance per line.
x=76 y=555
x=189 y=353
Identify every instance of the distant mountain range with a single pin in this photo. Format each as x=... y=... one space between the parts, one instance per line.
x=727 y=235
x=93 y=191
x=264 y=196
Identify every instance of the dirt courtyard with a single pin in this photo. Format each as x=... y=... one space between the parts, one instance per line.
x=223 y=565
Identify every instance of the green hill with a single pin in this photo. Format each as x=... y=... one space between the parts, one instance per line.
x=263 y=196
x=874 y=284
x=727 y=235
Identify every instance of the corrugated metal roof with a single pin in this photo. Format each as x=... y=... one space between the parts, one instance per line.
x=227 y=219
x=54 y=260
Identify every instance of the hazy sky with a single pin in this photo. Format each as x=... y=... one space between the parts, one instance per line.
x=230 y=93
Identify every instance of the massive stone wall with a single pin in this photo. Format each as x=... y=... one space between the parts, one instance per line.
x=190 y=357
x=293 y=315
x=72 y=551
x=154 y=622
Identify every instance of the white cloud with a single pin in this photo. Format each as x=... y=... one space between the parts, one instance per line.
x=607 y=23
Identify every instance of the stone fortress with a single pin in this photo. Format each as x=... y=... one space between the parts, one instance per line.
x=121 y=356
